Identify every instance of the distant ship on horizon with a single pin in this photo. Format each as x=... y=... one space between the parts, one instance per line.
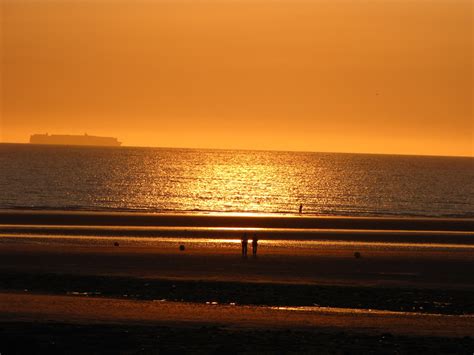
x=84 y=140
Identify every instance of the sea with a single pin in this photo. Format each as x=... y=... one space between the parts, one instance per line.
x=234 y=181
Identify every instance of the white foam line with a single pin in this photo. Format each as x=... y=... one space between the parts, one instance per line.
x=337 y=310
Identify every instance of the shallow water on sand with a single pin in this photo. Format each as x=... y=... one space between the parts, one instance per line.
x=215 y=244
x=184 y=180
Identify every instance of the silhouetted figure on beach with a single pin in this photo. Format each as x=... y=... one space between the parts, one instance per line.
x=301 y=208
x=254 y=245
x=245 y=242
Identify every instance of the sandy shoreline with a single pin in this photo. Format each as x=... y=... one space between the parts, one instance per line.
x=244 y=292
x=388 y=266
x=88 y=310
x=26 y=337
x=384 y=236
x=230 y=220
x=62 y=278
x=77 y=325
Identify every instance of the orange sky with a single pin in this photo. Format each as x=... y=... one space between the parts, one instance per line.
x=378 y=76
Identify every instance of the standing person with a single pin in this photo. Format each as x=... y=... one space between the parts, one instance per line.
x=301 y=208
x=254 y=245
x=245 y=242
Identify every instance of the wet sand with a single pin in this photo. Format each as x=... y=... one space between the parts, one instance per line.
x=77 y=325
x=64 y=338
x=326 y=264
x=45 y=256
x=445 y=238
x=87 y=310
x=396 y=299
x=231 y=220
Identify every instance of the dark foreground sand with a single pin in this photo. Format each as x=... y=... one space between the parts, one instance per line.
x=74 y=338
x=79 y=324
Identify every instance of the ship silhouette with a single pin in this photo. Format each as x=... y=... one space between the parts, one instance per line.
x=56 y=139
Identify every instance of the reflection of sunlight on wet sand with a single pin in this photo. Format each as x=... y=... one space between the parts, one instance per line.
x=221 y=243
x=335 y=310
x=293 y=233
x=101 y=310
x=330 y=243
x=243 y=214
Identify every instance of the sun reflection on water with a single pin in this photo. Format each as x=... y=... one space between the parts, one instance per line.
x=220 y=181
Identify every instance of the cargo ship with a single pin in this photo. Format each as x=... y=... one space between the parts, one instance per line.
x=87 y=140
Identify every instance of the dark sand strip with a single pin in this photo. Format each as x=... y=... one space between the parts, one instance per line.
x=400 y=236
x=334 y=265
x=61 y=338
x=439 y=301
x=231 y=220
x=85 y=310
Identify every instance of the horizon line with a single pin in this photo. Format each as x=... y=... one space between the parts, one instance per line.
x=257 y=150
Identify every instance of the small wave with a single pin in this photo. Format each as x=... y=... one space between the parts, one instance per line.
x=335 y=213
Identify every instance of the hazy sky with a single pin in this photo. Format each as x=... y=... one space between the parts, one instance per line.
x=380 y=76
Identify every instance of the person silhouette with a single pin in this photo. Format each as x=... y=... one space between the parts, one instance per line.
x=254 y=245
x=245 y=242
x=301 y=208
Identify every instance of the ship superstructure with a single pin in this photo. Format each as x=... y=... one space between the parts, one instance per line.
x=85 y=139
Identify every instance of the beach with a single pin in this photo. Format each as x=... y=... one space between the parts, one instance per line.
x=323 y=328
x=236 y=177
x=359 y=276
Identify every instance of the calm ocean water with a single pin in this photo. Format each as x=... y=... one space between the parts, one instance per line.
x=186 y=180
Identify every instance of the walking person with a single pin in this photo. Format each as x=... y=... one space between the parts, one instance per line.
x=301 y=208
x=245 y=242
x=254 y=245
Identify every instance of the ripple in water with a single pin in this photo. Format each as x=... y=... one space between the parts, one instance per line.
x=185 y=180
